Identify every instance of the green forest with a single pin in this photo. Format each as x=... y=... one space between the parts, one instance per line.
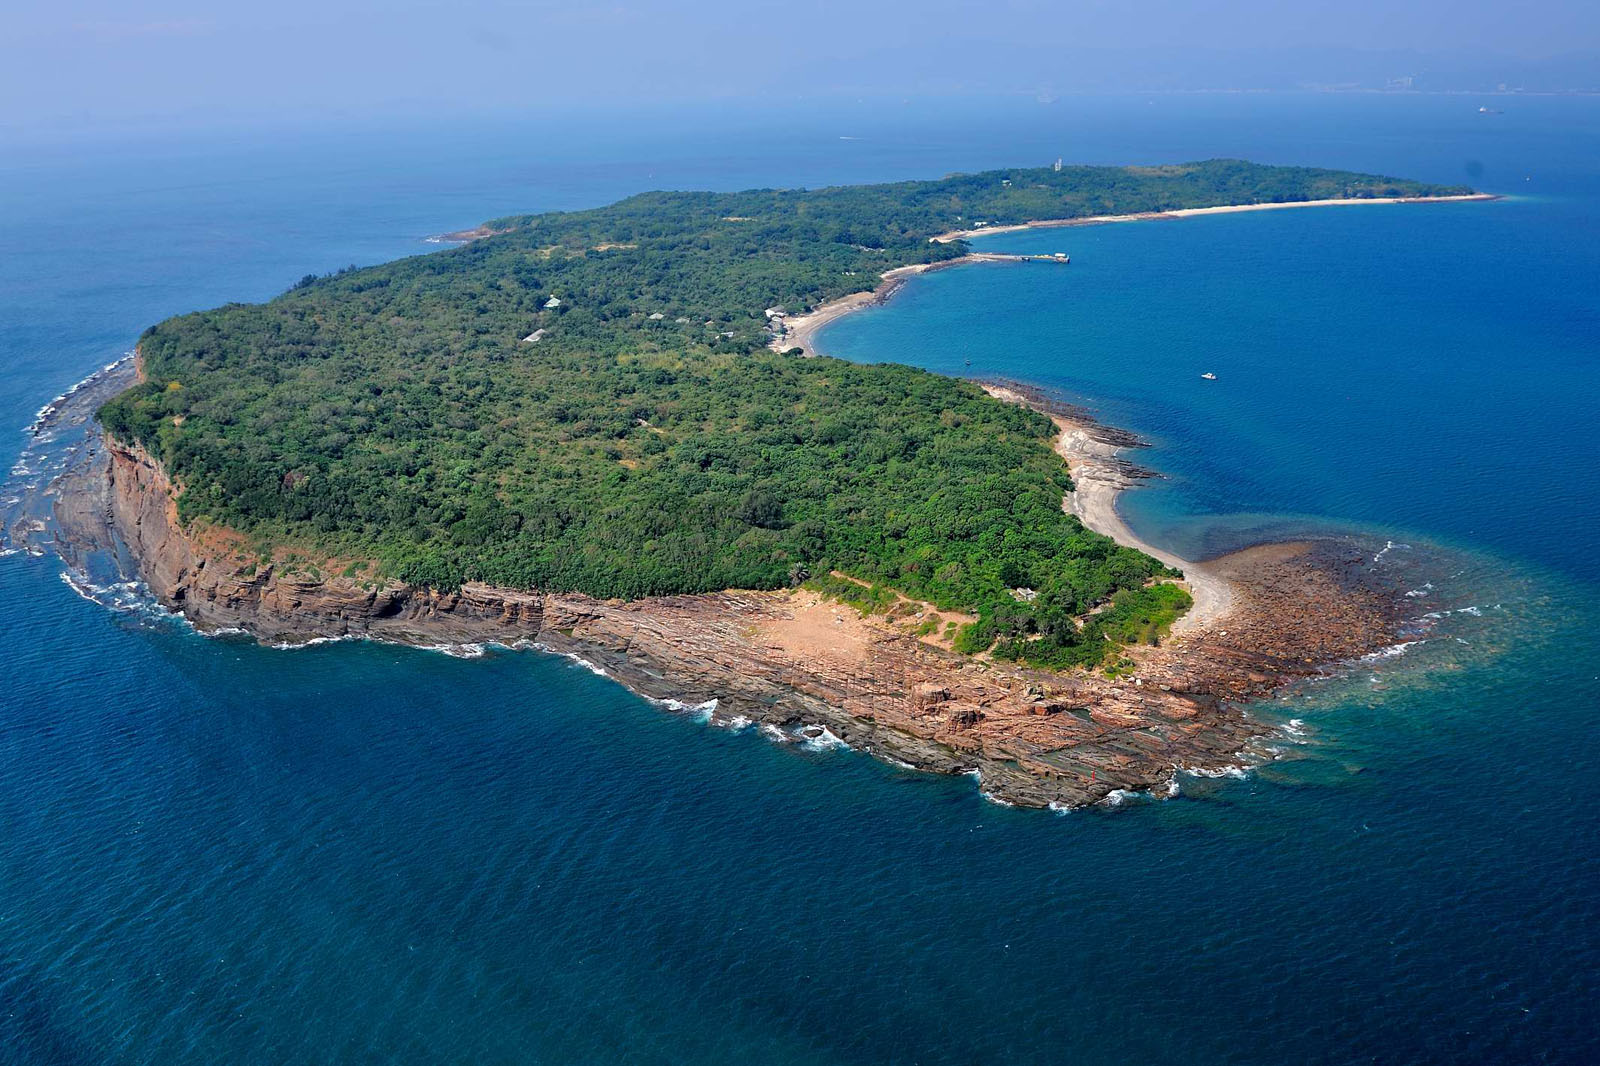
x=585 y=401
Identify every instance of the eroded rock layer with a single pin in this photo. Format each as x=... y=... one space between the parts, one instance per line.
x=793 y=659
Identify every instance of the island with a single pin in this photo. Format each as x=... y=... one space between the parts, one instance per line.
x=606 y=433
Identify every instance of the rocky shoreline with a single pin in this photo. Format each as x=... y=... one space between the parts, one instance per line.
x=790 y=658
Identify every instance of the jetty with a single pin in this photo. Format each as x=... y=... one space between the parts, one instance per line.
x=1003 y=257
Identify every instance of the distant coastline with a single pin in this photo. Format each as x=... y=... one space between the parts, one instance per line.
x=801 y=330
x=464 y=236
x=1191 y=212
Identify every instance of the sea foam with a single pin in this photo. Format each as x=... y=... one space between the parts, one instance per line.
x=1391 y=652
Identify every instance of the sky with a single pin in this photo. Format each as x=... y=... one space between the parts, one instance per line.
x=99 y=62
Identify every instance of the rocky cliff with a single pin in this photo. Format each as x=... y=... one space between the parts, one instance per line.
x=212 y=577
x=790 y=658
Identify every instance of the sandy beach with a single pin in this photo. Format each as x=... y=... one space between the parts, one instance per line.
x=1099 y=475
x=1192 y=212
x=800 y=331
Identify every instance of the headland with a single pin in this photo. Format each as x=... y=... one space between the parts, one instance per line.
x=805 y=665
x=709 y=523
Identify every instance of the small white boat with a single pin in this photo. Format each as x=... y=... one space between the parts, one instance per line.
x=1209 y=376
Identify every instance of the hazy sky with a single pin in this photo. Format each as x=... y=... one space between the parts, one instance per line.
x=102 y=61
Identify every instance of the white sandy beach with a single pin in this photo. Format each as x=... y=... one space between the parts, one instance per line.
x=1099 y=477
x=800 y=331
x=1192 y=212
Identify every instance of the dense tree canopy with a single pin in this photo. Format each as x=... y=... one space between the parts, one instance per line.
x=647 y=441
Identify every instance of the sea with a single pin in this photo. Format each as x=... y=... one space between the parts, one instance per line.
x=217 y=852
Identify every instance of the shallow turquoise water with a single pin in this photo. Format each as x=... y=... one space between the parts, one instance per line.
x=214 y=852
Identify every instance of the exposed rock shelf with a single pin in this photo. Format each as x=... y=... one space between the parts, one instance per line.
x=792 y=659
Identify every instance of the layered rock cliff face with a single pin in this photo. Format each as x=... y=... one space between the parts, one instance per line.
x=216 y=583
x=792 y=659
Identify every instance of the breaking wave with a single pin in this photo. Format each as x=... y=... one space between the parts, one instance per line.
x=45 y=414
x=578 y=660
x=1235 y=771
x=1118 y=796
x=296 y=645
x=1388 y=546
x=460 y=651
x=124 y=597
x=1391 y=652
x=824 y=741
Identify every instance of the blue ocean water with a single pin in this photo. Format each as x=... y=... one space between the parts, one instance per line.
x=216 y=852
